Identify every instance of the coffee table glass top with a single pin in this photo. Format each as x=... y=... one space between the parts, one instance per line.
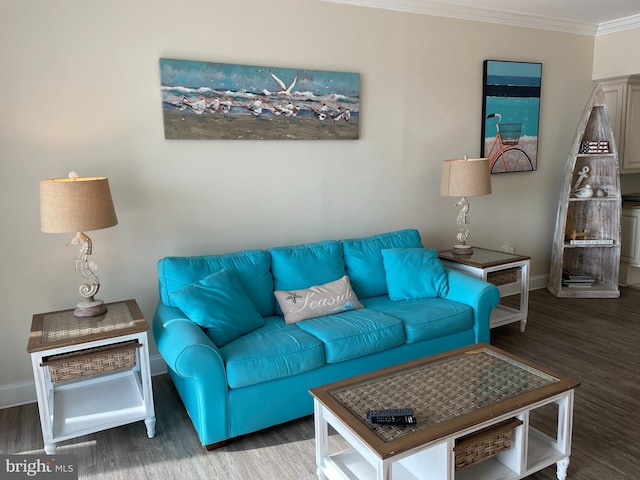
x=442 y=390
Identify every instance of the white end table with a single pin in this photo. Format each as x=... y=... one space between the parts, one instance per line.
x=501 y=269
x=91 y=373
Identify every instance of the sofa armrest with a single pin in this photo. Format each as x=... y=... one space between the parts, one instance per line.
x=184 y=346
x=197 y=369
x=480 y=295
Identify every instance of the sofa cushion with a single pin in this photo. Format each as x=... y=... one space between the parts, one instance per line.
x=413 y=273
x=219 y=304
x=252 y=267
x=273 y=351
x=363 y=259
x=316 y=301
x=355 y=333
x=425 y=319
x=302 y=266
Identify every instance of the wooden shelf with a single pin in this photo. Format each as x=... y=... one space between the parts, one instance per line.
x=432 y=463
x=595 y=216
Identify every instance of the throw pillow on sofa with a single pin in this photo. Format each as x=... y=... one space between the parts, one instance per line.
x=317 y=301
x=220 y=305
x=364 y=263
x=414 y=273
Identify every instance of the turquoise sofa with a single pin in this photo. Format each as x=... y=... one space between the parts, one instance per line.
x=239 y=367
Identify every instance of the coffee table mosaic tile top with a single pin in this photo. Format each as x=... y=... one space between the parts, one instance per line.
x=464 y=397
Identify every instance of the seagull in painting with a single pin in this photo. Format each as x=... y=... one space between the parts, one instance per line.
x=255 y=107
x=214 y=105
x=279 y=109
x=322 y=112
x=292 y=110
x=285 y=90
x=198 y=106
x=289 y=110
x=179 y=104
x=340 y=115
x=225 y=106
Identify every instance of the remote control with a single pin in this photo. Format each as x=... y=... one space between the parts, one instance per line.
x=395 y=420
x=392 y=416
x=390 y=412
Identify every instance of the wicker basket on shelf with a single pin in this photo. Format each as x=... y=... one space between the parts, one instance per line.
x=92 y=361
x=484 y=444
x=503 y=277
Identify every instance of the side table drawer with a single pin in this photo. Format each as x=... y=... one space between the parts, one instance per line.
x=92 y=361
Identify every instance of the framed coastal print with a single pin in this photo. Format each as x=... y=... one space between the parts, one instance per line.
x=510 y=115
x=204 y=100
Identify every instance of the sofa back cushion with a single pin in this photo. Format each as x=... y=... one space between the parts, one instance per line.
x=363 y=259
x=302 y=266
x=251 y=267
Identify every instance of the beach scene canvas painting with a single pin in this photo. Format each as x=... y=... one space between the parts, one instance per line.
x=205 y=100
x=511 y=112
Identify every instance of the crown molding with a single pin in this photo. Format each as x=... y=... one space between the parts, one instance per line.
x=619 y=25
x=439 y=9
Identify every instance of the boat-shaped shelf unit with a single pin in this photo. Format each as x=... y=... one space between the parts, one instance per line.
x=585 y=260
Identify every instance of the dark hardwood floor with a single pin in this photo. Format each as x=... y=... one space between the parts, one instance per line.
x=595 y=341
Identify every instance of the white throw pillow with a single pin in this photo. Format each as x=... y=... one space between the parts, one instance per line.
x=317 y=301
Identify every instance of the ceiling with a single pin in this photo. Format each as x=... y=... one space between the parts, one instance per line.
x=591 y=17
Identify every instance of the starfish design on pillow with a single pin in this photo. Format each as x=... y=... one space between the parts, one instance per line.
x=293 y=296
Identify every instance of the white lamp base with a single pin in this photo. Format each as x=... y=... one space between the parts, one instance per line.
x=90 y=308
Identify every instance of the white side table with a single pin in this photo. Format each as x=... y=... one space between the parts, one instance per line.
x=501 y=269
x=91 y=373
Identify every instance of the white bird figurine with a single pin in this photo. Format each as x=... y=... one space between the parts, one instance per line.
x=584 y=192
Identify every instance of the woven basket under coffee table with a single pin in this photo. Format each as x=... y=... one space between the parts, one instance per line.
x=472 y=407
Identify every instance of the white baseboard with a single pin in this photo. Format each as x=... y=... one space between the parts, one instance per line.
x=25 y=392
x=538 y=282
x=22 y=393
x=535 y=283
x=17 y=394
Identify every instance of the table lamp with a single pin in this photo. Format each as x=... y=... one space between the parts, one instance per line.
x=79 y=204
x=464 y=178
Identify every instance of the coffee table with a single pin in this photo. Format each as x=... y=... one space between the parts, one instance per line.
x=456 y=396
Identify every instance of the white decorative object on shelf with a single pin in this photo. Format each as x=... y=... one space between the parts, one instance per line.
x=584 y=192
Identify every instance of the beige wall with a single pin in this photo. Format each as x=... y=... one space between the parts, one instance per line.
x=617 y=54
x=80 y=85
